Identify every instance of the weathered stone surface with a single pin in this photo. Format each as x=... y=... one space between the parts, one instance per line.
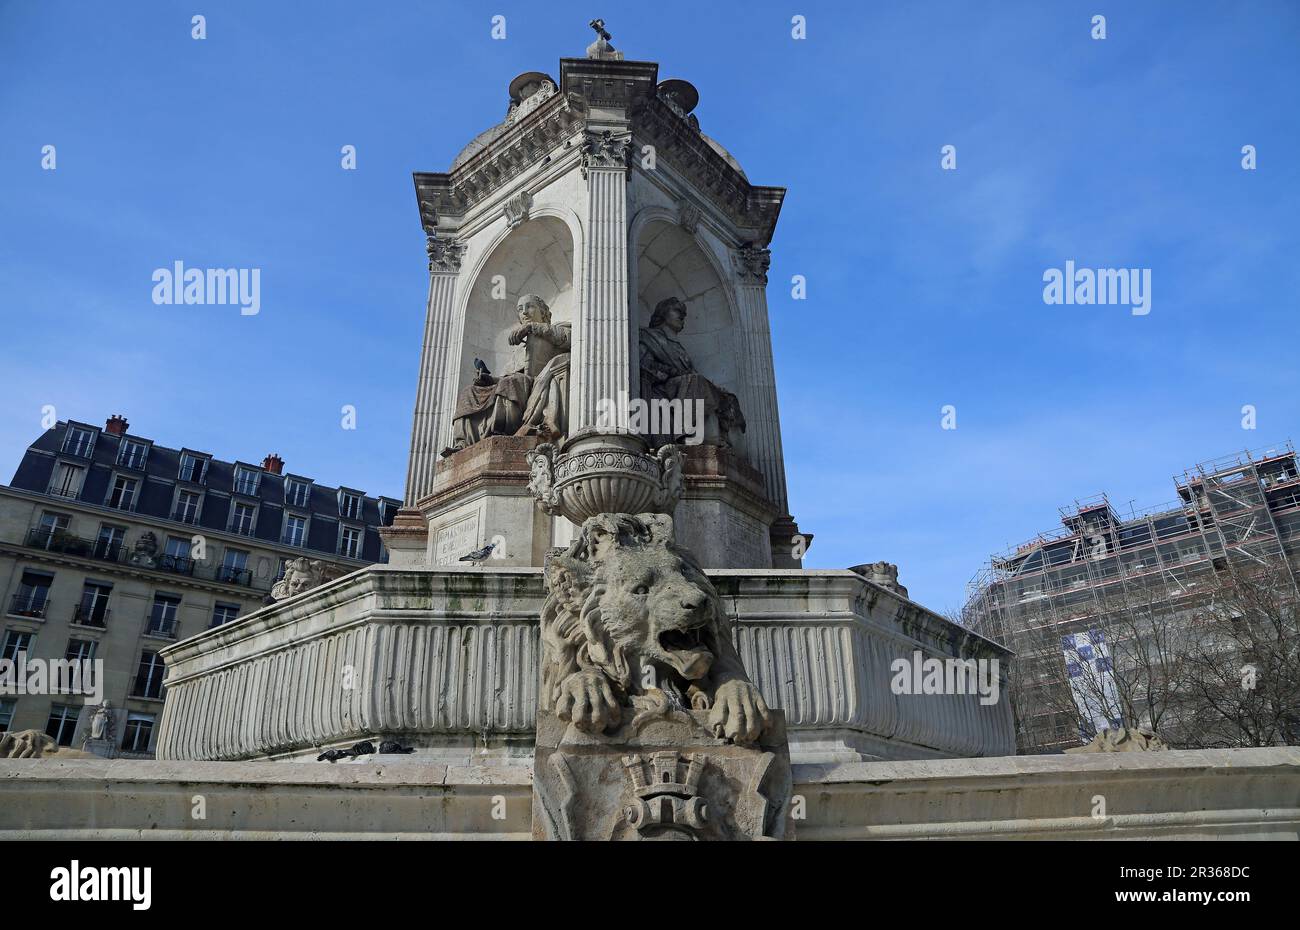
x=449 y=657
x=660 y=775
x=1187 y=795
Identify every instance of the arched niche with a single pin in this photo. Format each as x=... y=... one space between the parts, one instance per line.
x=535 y=258
x=670 y=263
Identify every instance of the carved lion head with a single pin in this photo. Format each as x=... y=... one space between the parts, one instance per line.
x=622 y=599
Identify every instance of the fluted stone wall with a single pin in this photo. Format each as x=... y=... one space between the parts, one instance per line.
x=446 y=660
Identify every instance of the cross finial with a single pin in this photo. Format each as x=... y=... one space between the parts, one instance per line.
x=599 y=26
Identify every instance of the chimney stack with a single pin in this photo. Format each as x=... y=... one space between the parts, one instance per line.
x=273 y=463
x=117 y=425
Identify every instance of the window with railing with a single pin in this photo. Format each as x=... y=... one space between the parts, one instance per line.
x=193 y=468
x=176 y=557
x=247 y=480
x=349 y=505
x=92 y=609
x=67 y=480
x=243 y=517
x=162 y=618
x=148 y=681
x=187 y=507
x=109 y=544
x=296 y=493
x=122 y=497
x=32 y=597
x=234 y=568
x=78 y=441
x=350 y=542
x=295 y=530
x=132 y=454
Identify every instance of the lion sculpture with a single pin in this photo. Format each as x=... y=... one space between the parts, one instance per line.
x=624 y=601
x=34 y=744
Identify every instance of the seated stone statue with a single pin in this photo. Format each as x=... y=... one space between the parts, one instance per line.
x=668 y=373
x=547 y=348
x=533 y=399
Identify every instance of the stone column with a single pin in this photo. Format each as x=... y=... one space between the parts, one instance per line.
x=602 y=336
x=763 y=426
x=431 y=397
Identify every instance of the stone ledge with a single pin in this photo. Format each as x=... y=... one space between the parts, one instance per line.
x=1195 y=794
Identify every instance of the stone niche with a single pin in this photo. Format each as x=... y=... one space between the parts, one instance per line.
x=534 y=258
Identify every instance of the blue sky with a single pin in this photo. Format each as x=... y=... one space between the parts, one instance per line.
x=924 y=285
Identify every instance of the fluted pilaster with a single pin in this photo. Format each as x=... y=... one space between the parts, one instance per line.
x=763 y=425
x=431 y=397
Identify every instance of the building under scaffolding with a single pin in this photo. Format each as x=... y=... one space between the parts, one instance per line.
x=1060 y=585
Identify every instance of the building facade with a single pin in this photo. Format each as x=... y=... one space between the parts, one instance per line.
x=1066 y=599
x=112 y=547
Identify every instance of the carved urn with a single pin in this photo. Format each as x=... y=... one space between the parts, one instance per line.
x=599 y=472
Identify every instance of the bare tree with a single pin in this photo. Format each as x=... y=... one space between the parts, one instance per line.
x=1244 y=685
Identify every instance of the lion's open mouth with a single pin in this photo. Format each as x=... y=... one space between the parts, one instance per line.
x=684 y=640
x=687 y=651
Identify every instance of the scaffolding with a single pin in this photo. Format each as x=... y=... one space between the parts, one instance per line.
x=1244 y=507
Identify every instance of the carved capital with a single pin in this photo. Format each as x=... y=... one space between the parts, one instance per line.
x=603 y=150
x=444 y=255
x=752 y=264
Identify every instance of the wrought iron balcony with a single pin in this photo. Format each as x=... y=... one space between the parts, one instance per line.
x=52 y=540
x=32 y=605
x=231 y=575
x=91 y=615
x=180 y=564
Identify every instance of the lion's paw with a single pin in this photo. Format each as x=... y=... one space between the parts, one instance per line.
x=587 y=701
x=700 y=699
x=739 y=712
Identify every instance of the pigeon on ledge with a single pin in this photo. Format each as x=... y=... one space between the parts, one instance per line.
x=478 y=555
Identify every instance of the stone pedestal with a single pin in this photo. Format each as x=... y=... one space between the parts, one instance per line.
x=660 y=776
x=104 y=748
x=724 y=517
x=480 y=496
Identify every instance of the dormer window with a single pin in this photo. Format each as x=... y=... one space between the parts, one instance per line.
x=297 y=492
x=247 y=480
x=78 y=441
x=132 y=454
x=193 y=468
x=349 y=505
